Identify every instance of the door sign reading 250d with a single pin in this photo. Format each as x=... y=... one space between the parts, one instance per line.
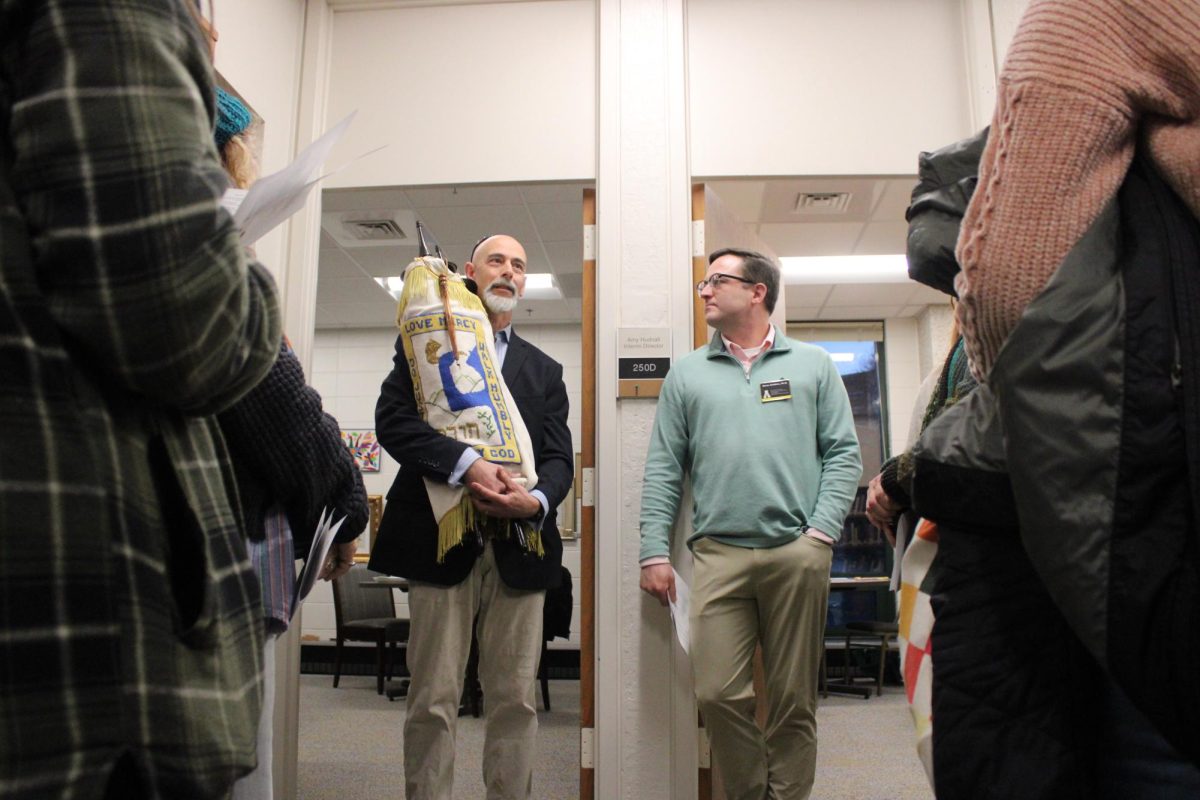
x=631 y=368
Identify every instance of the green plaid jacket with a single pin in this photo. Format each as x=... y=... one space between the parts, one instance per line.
x=129 y=618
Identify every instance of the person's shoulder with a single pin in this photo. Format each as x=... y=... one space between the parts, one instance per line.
x=696 y=357
x=694 y=362
x=804 y=354
x=801 y=349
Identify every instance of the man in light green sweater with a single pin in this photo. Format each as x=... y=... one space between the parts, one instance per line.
x=763 y=426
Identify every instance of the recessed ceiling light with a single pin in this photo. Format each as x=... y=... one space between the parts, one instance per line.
x=844 y=269
x=539 y=280
x=541 y=286
x=393 y=284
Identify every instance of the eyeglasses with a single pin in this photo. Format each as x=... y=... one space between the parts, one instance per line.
x=717 y=278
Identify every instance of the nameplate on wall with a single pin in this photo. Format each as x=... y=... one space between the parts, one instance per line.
x=643 y=359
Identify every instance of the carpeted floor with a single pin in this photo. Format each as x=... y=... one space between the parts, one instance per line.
x=350 y=746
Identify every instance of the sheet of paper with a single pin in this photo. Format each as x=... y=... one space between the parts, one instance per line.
x=273 y=199
x=679 y=611
x=232 y=199
x=322 y=541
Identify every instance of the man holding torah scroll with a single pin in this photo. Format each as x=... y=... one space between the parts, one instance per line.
x=477 y=418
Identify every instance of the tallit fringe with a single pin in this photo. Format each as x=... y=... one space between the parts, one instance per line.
x=421 y=282
x=454 y=526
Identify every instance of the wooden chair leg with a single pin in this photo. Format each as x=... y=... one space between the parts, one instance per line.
x=337 y=662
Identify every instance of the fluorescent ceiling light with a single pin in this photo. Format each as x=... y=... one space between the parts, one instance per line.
x=393 y=284
x=844 y=357
x=844 y=269
x=539 y=280
x=541 y=286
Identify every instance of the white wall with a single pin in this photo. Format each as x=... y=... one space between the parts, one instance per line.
x=349 y=366
x=901 y=344
x=933 y=329
x=258 y=52
x=823 y=87
x=466 y=93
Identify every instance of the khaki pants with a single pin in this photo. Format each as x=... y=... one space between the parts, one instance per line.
x=775 y=597
x=510 y=643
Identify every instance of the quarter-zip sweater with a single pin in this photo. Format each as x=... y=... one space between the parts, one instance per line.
x=761 y=472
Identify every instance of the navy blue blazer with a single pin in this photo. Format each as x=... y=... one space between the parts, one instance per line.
x=407 y=541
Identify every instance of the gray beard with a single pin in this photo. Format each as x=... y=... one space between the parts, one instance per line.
x=498 y=304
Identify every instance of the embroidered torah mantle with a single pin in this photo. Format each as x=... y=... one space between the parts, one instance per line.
x=460 y=392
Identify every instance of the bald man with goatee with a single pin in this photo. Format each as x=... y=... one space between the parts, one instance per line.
x=493 y=578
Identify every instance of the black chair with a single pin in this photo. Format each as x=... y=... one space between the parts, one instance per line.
x=366 y=614
x=556 y=621
x=557 y=610
x=871 y=636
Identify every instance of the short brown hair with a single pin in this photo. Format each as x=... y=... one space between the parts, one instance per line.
x=755 y=267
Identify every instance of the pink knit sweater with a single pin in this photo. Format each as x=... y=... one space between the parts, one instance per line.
x=1083 y=82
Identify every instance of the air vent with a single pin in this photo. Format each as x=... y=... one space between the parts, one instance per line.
x=822 y=203
x=375 y=230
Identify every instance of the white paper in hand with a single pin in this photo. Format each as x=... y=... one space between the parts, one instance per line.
x=273 y=199
x=322 y=541
x=679 y=611
x=231 y=201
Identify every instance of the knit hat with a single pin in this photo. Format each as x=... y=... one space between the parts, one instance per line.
x=232 y=117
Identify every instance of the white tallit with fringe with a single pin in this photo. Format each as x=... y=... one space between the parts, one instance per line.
x=460 y=392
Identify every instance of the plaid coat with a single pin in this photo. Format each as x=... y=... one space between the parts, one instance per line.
x=129 y=618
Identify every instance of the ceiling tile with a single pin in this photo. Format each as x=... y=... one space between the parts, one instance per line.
x=327 y=241
x=463 y=225
x=554 y=192
x=807 y=294
x=363 y=199
x=571 y=285
x=802 y=313
x=442 y=196
x=869 y=294
x=925 y=295
x=558 y=221
x=325 y=317
x=565 y=257
x=897 y=193
x=348 y=290
x=882 y=238
x=383 y=261
x=744 y=199
x=334 y=263
x=859 y=312
x=810 y=239
x=383 y=314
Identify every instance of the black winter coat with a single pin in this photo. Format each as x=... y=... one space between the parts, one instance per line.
x=1079 y=455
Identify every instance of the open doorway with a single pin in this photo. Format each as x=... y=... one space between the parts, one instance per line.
x=368 y=237
x=840 y=241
